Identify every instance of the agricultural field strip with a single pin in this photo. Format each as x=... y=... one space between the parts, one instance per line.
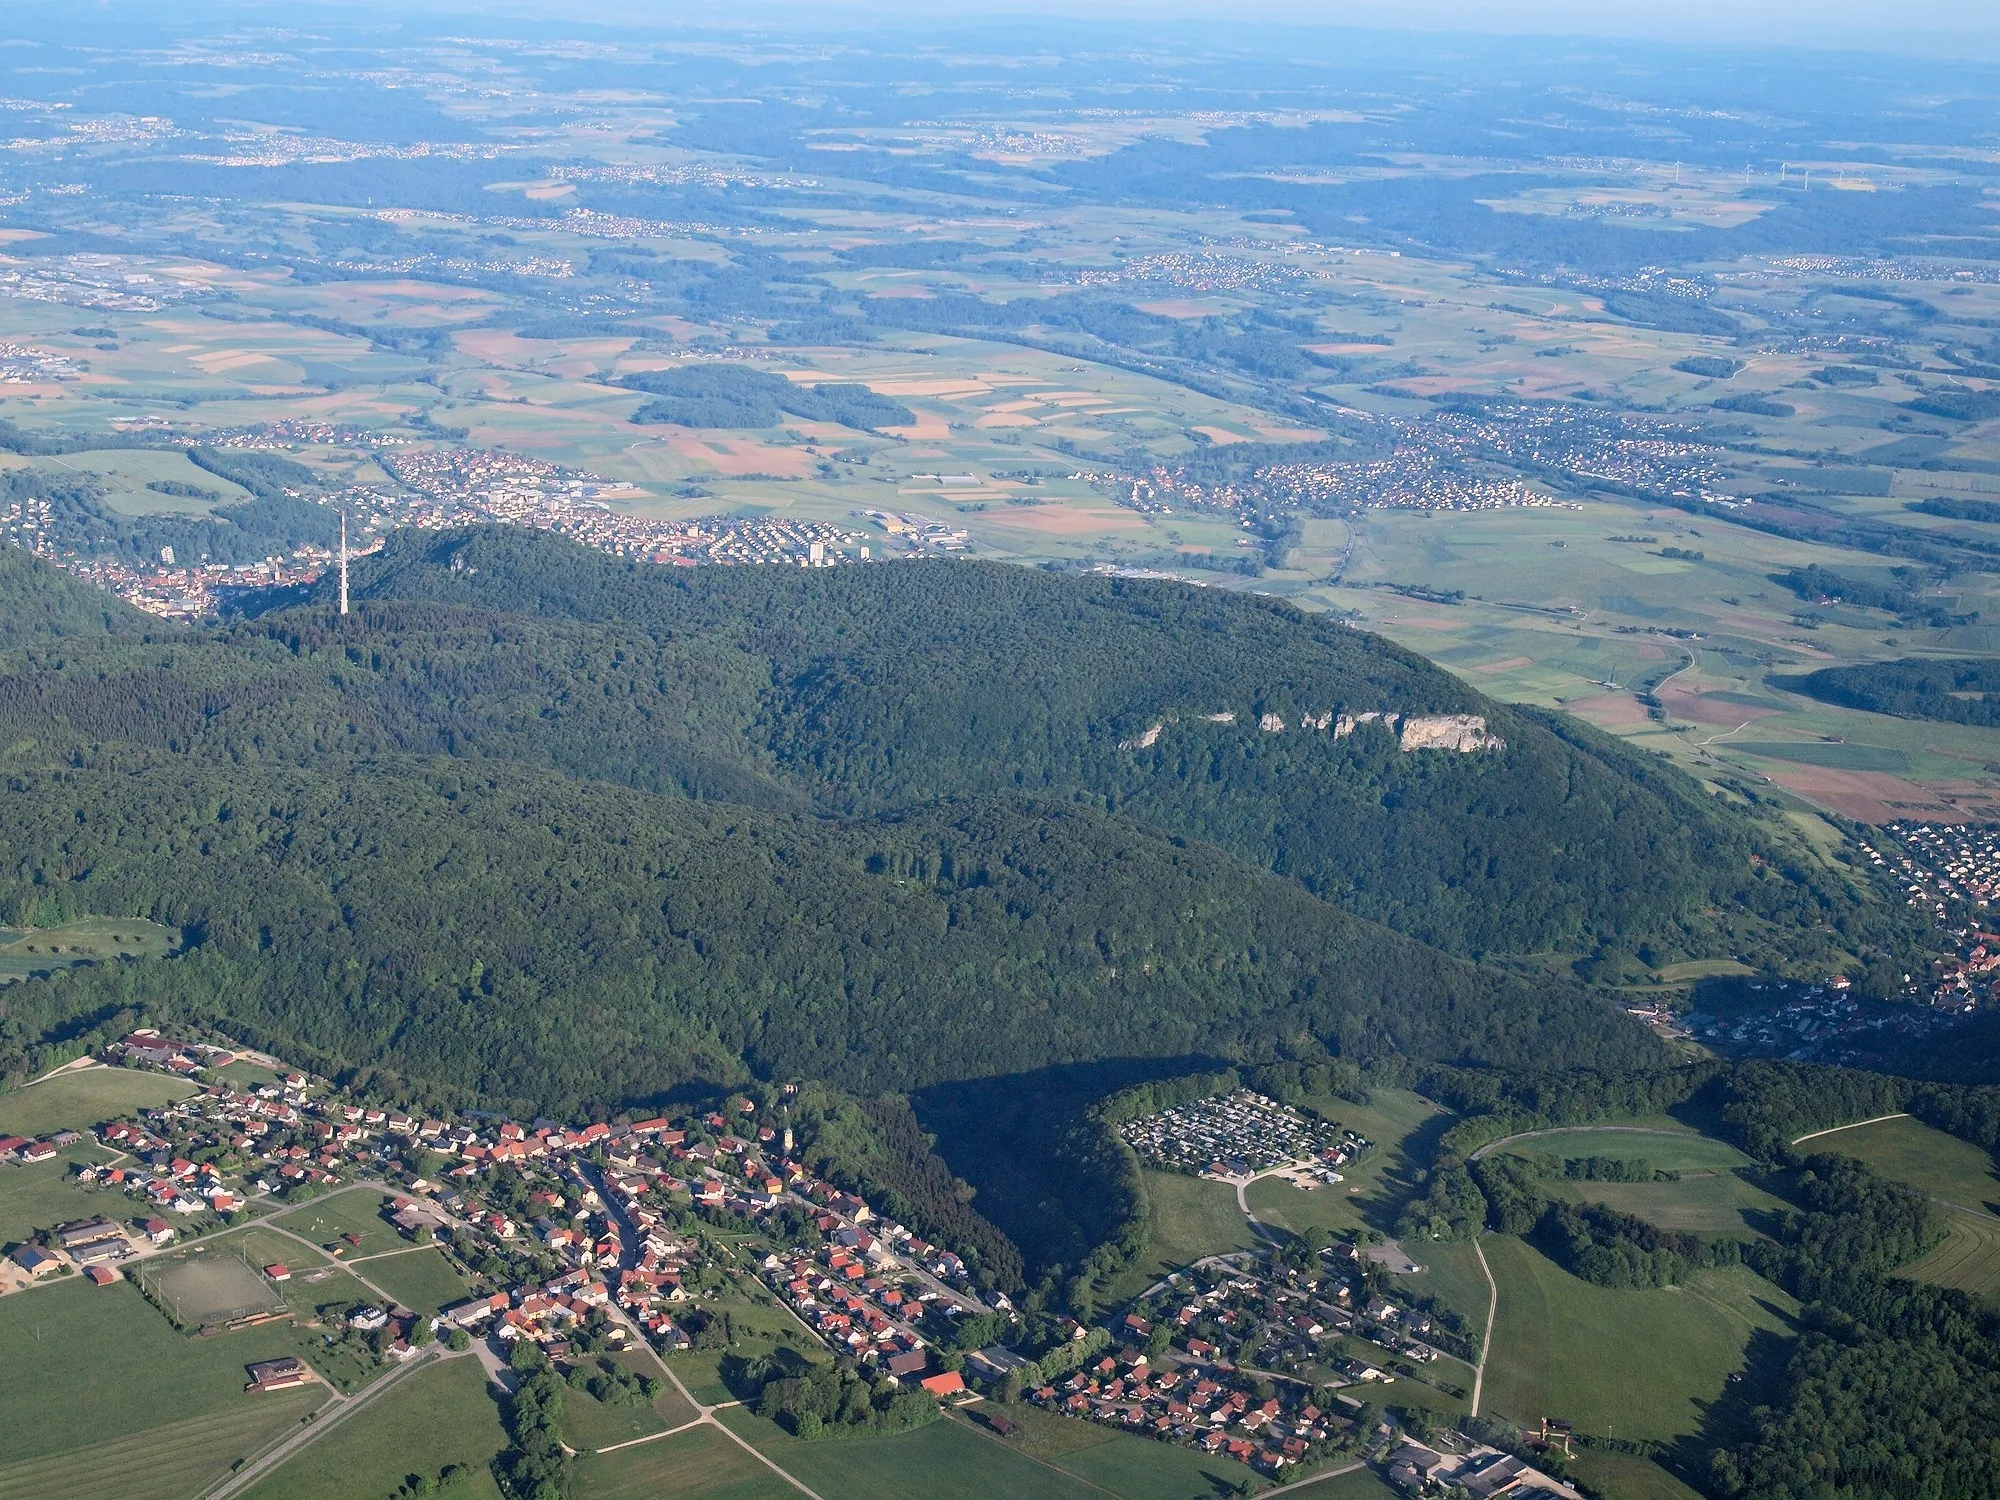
x=992 y=1437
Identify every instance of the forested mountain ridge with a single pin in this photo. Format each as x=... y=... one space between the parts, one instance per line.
x=890 y=687
x=518 y=935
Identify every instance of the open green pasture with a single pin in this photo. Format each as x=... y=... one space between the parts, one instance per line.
x=421 y=1280
x=46 y=1194
x=442 y=1414
x=1969 y=1259
x=1724 y=1204
x=590 y=1424
x=27 y=952
x=1633 y=1364
x=1192 y=1218
x=123 y=475
x=1910 y=1151
x=88 y=1364
x=1134 y=1468
x=86 y=1097
x=700 y=1464
x=1451 y=1274
x=169 y=1462
x=946 y=1460
x=1405 y=1129
x=1626 y=1476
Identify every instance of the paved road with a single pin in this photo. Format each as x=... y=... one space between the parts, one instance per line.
x=1855 y=1125
x=307 y=1433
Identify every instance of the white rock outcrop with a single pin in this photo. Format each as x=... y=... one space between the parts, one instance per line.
x=1461 y=732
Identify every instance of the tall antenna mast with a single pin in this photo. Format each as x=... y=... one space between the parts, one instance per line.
x=343 y=562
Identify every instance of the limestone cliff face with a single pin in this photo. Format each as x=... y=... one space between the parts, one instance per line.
x=1461 y=732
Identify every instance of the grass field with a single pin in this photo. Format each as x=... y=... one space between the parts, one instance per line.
x=1134 y=1468
x=702 y=1464
x=1192 y=1218
x=1910 y=1151
x=87 y=1097
x=1707 y=1203
x=42 y=950
x=943 y=1461
x=124 y=474
x=1665 y=1150
x=1637 y=1364
x=86 y=1365
x=1625 y=1476
x=1969 y=1259
x=1451 y=1274
x=589 y=1424
x=444 y=1414
x=1404 y=1128
x=44 y=1195
x=761 y=1326
x=421 y=1280
x=357 y=1211
x=162 y=1463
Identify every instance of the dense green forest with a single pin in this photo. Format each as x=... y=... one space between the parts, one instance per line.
x=737 y=396
x=39 y=605
x=1954 y=691
x=556 y=943
x=1030 y=684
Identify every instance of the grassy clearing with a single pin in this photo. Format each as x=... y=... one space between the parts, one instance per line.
x=701 y=1462
x=86 y=1365
x=1969 y=1259
x=1625 y=1476
x=1910 y=1151
x=444 y=1414
x=162 y=1463
x=1404 y=1128
x=421 y=1280
x=46 y=950
x=87 y=1097
x=1134 y=1468
x=1664 y=1150
x=357 y=1212
x=1641 y=1364
x=1708 y=1203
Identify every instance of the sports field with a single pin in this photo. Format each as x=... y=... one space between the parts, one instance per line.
x=212 y=1287
x=1910 y=1151
x=1634 y=1364
x=87 y=1097
x=442 y=1414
